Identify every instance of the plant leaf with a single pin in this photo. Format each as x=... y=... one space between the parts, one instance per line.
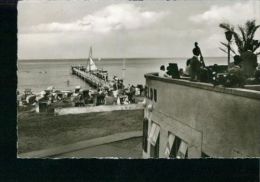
x=256 y=46
x=243 y=33
x=223 y=50
x=226 y=45
x=239 y=42
x=226 y=26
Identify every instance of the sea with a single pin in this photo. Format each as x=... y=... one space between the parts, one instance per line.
x=40 y=74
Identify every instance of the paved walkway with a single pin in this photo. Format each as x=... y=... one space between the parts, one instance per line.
x=130 y=148
x=81 y=145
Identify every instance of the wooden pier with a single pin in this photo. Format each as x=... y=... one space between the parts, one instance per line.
x=90 y=77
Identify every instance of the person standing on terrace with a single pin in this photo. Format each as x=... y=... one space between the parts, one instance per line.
x=195 y=65
x=198 y=52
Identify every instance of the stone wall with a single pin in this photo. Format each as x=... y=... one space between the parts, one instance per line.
x=102 y=108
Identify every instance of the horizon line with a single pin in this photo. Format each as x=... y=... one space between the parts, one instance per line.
x=29 y=59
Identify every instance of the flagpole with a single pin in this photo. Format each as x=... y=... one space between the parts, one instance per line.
x=123 y=69
x=90 y=56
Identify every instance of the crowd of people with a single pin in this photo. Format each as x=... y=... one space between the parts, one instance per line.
x=117 y=94
x=114 y=93
x=243 y=70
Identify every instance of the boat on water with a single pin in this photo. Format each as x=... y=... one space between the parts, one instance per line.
x=90 y=73
x=105 y=91
x=106 y=88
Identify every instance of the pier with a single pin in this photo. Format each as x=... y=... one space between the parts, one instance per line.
x=93 y=78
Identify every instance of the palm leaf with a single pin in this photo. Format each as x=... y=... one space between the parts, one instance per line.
x=232 y=50
x=253 y=31
x=250 y=25
x=225 y=51
x=255 y=46
x=239 y=42
x=226 y=45
x=245 y=41
x=242 y=33
x=226 y=26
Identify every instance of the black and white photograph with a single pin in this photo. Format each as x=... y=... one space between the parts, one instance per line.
x=129 y=79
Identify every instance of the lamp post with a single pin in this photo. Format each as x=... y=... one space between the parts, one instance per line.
x=228 y=35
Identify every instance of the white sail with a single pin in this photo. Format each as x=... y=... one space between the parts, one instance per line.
x=91 y=65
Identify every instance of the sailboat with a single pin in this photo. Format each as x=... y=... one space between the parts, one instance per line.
x=91 y=74
x=99 y=75
x=91 y=66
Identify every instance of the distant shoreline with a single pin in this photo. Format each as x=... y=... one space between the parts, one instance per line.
x=130 y=58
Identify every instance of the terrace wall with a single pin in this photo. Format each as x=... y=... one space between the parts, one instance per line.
x=221 y=122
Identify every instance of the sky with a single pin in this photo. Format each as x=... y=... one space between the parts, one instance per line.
x=49 y=29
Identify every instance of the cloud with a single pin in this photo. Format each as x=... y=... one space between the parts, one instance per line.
x=236 y=13
x=110 y=18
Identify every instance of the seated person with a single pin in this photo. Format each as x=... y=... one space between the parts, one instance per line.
x=187 y=69
x=256 y=78
x=235 y=76
x=236 y=63
x=181 y=72
x=257 y=74
x=173 y=71
x=248 y=64
x=204 y=74
x=162 y=72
